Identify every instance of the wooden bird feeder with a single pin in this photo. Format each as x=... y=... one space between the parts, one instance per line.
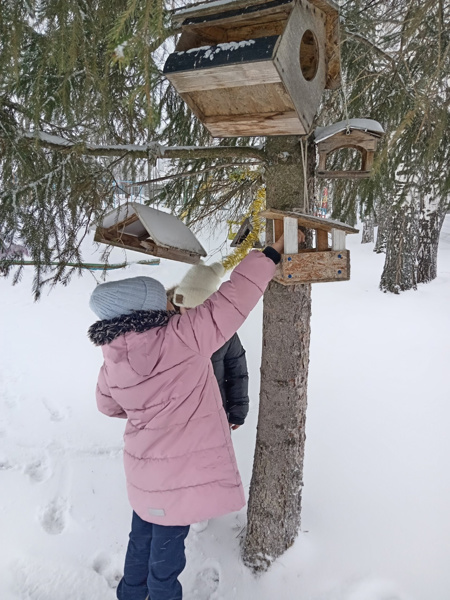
x=312 y=265
x=138 y=227
x=244 y=231
x=256 y=67
x=361 y=134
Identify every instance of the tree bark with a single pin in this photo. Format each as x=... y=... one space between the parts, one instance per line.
x=431 y=218
x=275 y=490
x=381 y=217
x=368 y=230
x=400 y=267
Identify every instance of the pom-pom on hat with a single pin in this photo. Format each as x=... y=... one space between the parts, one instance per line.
x=198 y=284
x=115 y=298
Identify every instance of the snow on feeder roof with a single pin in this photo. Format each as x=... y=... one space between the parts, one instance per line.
x=369 y=125
x=256 y=67
x=144 y=229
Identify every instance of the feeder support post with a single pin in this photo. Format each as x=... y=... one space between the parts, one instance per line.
x=290 y=235
x=338 y=239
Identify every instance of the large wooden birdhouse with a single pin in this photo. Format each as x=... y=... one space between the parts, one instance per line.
x=360 y=134
x=328 y=261
x=256 y=67
x=138 y=227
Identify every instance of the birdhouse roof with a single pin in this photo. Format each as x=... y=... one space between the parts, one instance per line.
x=164 y=229
x=309 y=221
x=368 y=125
x=201 y=9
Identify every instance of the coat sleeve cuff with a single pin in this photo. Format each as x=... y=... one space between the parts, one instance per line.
x=272 y=254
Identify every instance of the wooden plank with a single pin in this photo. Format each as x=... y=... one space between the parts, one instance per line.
x=255 y=125
x=131 y=242
x=308 y=220
x=367 y=160
x=230 y=76
x=305 y=95
x=278 y=230
x=322 y=240
x=290 y=235
x=237 y=10
x=247 y=111
x=264 y=26
x=313 y=267
x=337 y=239
x=332 y=43
x=255 y=101
x=275 y=14
x=261 y=25
x=327 y=6
x=128 y=221
x=195 y=37
x=171 y=253
x=343 y=174
x=355 y=139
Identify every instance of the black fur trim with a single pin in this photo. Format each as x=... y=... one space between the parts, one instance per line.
x=104 y=332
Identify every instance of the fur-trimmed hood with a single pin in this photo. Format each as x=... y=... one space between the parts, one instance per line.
x=104 y=332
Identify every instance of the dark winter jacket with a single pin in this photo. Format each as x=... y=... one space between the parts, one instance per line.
x=230 y=369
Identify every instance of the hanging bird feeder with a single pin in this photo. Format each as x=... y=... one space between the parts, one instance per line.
x=138 y=227
x=242 y=234
x=326 y=262
x=253 y=67
x=360 y=134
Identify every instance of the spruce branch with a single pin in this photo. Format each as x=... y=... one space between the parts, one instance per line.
x=195 y=173
x=143 y=151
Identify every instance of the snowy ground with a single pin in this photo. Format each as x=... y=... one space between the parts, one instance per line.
x=376 y=523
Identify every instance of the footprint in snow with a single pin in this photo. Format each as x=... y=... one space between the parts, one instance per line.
x=53 y=517
x=5 y=465
x=102 y=565
x=206 y=584
x=38 y=470
x=56 y=414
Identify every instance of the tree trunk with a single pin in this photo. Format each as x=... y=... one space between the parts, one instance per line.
x=400 y=267
x=381 y=217
x=275 y=490
x=368 y=230
x=431 y=218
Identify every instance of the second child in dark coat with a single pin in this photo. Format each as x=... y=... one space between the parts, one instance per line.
x=229 y=362
x=230 y=368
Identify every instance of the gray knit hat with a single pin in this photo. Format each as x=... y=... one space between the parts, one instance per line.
x=115 y=298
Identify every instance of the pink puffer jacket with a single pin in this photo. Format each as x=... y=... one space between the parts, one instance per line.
x=179 y=459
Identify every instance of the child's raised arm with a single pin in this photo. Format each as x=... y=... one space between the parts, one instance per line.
x=208 y=326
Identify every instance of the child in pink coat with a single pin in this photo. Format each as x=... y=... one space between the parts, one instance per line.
x=157 y=373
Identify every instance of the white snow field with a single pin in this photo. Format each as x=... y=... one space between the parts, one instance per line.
x=376 y=496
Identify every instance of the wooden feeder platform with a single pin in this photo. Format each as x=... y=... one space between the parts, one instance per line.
x=360 y=134
x=256 y=67
x=325 y=262
x=135 y=226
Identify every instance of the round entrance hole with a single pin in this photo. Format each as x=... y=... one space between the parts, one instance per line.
x=309 y=55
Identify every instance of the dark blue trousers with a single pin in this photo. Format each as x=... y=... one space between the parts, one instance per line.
x=155 y=557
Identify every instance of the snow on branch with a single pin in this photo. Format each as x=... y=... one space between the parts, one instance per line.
x=153 y=149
